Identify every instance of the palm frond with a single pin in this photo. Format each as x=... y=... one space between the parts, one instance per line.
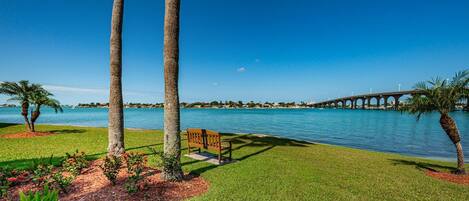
x=54 y=104
x=461 y=78
x=42 y=97
x=439 y=94
x=418 y=104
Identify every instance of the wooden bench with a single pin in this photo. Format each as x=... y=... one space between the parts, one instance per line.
x=209 y=140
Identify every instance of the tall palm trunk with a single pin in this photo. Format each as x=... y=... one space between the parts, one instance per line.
x=24 y=112
x=116 y=113
x=172 y=138
x=449 y=126
x=34 y=116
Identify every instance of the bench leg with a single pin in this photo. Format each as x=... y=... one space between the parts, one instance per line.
x=219 y=157
x=189 y=150
x=199 y=150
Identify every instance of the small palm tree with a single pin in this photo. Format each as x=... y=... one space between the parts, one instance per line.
x=40 y=98
x=20 y=92
x=442 y=96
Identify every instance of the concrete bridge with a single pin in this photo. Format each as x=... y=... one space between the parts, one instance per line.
x=366 y=100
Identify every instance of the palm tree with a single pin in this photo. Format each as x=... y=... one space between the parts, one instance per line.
x=172 y=138
x=116 y=111
x=40 y=98
x=442 y=96
x=21 y=92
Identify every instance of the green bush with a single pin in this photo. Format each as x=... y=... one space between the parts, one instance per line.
x=166 y=162
x=111 y=167
x=135 y=162
x=75 y=163
x=5 y=173
x=42 y=174
x=135 y=166
x=62 y=181
x=45 y=195
x=42 y=161
x=10 y=177
x=131 y=185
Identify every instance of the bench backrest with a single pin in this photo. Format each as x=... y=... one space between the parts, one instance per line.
x=203 y=138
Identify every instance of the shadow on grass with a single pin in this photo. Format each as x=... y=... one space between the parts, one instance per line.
x=68 y=131
x=4 y=125
x=422 y=165
x=248 y=145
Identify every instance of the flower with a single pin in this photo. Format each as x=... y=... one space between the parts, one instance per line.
x=12 y=179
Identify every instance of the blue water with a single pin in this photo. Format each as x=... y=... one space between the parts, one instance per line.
x=388 y=131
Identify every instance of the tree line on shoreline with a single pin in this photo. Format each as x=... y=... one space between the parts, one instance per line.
x=212 y=104
x=221 y=105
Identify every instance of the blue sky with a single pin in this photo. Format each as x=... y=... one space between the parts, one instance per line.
x=264 y=50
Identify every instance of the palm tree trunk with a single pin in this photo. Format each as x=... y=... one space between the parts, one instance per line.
x=24 y=112
x=34 y=117
x=172 y=138
x=116 y=111
x=449 y=126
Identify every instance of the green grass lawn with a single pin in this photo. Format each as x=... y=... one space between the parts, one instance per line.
x=268 y=168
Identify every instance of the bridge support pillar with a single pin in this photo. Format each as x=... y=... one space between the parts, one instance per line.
x=378 y=99
x=396 y=102
x=369 y=102
x=363 y=103
x=343 y=104
x=386 y=102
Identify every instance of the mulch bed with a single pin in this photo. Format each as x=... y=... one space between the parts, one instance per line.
x=93 y=185
x=26 y=135
x=459 y=179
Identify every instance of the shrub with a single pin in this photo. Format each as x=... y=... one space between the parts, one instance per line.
x=42 y=174
x=19 y=177
x=5 y=174
x=166 y=162
x=10 y=177
x=42 y=162
x=75 y=163
x=131 y=185
x=62 y=181
x=135 y=166
x=45 y=195
x=135 y=162
x=111 y=168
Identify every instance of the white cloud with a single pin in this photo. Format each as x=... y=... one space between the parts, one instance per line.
x=57 y=88
x=241 y=69
x=73 y=95
x=68 y=89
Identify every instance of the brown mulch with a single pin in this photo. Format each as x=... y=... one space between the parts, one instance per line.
x=93 y=185
x=26 y=135
x=459 y=179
